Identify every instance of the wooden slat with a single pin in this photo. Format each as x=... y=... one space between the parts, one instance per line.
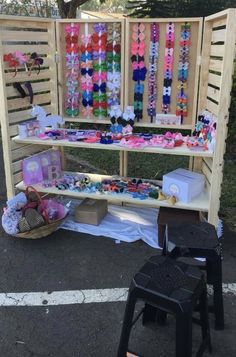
x=214 y=79
x=212 y=107
x=215 y=65
x=219 y=22
x=39 y=49
x=209 y=162
x=206 y=172
x=213 y=93
x=15 y=146
x=24 y=22
x=26 y=114
x=23 y=76
x=17 y=177
x=217 y=50
x=17 y=166
x=218 y=35
x=24 y=102
x=37 y=87
x=27 y=151
x=23 y=36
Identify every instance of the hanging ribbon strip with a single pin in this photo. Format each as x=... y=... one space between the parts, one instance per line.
x=152 y=77
x=113 y=64
x=99 y=43
x=86 y=65
x=139 y=70
x=168 y=67
x=72 y=68
x=182 y=99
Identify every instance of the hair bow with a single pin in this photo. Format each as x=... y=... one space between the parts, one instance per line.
x=100 y=76
x=98 y=88
x=85 y=71
x=72 y=29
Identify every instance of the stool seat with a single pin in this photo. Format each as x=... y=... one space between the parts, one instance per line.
x=163 y=277
x=169 y=286
x=173 y=216
x=193 y=236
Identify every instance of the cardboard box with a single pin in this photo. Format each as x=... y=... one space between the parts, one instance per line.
x=91 y=211
x=185 y=185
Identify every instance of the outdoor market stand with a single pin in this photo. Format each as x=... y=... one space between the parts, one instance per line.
x=211 y=68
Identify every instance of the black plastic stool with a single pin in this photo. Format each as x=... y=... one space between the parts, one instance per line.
x=173 y=287
x=200 y=240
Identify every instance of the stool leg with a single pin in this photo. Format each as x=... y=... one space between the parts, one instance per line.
x=214 y=277
x=149 y=314
x=127 y=325
x=184 y=335
x=204 y=320
x=218 y=295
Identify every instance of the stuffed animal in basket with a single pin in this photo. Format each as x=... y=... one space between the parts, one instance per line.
x=13 y=213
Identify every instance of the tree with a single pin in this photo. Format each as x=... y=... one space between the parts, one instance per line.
x=41 y=8
x=177 y=8
x=67 y=9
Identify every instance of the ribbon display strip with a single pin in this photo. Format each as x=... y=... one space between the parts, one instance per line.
x=72 y=68
x=99 y=43
x=168 y=67
x=139 y=70
x=86 y=69
x=113 y=64
x=152 y=74
x=183 y=67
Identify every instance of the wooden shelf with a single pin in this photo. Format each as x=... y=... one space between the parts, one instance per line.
x=143 y=124
x=180 y=151
x=201 y=203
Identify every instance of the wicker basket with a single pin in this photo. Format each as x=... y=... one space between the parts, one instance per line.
x=50 y=226
x=42 y=231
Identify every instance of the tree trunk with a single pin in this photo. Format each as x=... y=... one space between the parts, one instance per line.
x=68 y=10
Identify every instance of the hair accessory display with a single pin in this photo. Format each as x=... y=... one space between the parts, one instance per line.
x=99 y=43
x=113 y=65
x=15 y=60
x=72 y=66
x=169 y=58
x=184 y=44
x=34 y=60
x=86 y=65
x=139 y=70
x=152 y=76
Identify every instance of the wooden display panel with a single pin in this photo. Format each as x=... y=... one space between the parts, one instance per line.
x=61 y=48
x=192 y=83
x=26 y=35
x=215 y=86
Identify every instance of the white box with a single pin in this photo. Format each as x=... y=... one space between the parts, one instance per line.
x=185 y=185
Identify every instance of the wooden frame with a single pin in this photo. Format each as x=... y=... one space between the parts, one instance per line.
x=214 y=95
x=26 y=35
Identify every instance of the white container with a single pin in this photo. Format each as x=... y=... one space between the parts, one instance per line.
x=185 y=185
